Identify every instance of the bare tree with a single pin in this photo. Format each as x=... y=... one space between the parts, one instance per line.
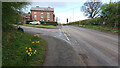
x=91 y=8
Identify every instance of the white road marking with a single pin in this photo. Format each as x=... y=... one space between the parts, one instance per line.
x=64 y=34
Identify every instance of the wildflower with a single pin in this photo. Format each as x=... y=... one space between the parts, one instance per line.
x=35 y=50
x=29 y=48
x=37 y=35
x=26 y=50
x=32 y=42
x=38 y=41
x=34 y=35
x=25 y=47
x=28 y=53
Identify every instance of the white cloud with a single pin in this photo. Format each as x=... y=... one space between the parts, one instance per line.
x=58 y=0
x=105 y=1
x=71 y=17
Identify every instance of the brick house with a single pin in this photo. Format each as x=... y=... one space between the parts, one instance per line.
x=42 y=13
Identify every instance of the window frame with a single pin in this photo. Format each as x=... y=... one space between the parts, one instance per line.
x=41 y=16
x=48 y=15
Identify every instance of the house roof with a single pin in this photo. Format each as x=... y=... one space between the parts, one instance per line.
x=37 y=8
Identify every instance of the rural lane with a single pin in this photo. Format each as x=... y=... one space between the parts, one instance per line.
x=87 y=47
x=95 y=48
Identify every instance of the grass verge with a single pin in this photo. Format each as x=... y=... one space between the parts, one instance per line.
x=39 y=26
x=105 y=29
x=16 y=46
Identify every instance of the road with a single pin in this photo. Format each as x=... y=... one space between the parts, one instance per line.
x=94 y=48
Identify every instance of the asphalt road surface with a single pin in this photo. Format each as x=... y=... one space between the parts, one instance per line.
x=95 y=48
x=87 y=47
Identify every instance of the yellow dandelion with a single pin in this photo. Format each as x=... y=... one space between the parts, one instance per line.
x=37 y=35
x=34 y=35
x=26 y=50
x=29 y=48
x=37 y=41
x=33 y=42
x=25 y=47
x=28 y=53
x=35 y=50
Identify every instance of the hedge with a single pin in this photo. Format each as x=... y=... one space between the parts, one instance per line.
x=49 y=23
x=27 y=22
x=45 y=22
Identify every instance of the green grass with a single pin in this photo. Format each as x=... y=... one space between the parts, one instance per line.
x=39 y=26
x=14 y=45
x=106 y=29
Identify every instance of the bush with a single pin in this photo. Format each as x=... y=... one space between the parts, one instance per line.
x=27 y=22
x=49 y=23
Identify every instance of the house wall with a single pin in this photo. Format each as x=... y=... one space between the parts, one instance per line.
x=38 y=15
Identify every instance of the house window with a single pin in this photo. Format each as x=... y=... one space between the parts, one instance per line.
x=48 y=15
x=34 y=14
x=41 y=15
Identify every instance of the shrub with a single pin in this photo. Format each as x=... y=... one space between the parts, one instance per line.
x=27 y=22
x=49 y=23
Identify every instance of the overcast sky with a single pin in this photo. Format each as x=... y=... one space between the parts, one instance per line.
x=64 y=9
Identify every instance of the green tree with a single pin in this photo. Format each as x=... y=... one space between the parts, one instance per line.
x=11 y=12
x=110 y=14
